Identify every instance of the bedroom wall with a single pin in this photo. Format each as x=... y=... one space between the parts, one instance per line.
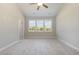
x=10 y=17
x=67 y=25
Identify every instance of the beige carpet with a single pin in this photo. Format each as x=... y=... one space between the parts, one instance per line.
x=39 y=47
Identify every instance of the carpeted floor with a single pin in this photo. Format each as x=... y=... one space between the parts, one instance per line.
x=39 y=47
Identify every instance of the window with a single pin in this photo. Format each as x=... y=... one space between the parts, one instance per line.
x=40 y=26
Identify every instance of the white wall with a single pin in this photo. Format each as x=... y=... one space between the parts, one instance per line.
x=67 y=25
x=9 y=23
x=40 y=35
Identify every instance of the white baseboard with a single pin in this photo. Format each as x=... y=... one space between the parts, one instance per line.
x=9 y=45
x=70 y=45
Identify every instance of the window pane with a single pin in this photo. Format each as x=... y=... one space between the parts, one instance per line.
x=32 y=25
x=40 y=26
x=48 y=25
x=39 y=23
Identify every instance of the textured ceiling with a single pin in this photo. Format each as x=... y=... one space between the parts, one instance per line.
x=31 y=10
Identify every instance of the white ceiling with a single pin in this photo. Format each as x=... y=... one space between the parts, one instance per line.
x=31 y=10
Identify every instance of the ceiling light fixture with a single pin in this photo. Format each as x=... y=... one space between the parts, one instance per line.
x=39 y=4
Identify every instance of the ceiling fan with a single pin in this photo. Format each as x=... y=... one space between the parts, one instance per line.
x=39 y=5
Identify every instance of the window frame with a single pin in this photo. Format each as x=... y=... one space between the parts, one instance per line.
x=43 y=25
